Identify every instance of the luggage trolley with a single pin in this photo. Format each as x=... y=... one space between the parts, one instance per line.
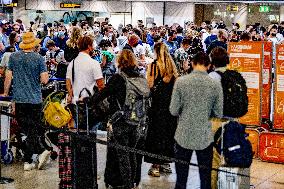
x=6 y=153
x=5 y=107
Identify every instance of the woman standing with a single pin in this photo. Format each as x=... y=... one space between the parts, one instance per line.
x=71 y=50
x=161 y=76
x=123 y=170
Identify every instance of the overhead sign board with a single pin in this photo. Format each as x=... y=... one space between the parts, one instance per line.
x=70 y=5
x=264 y=8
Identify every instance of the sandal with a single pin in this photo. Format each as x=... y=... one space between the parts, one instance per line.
x=166 y=168
x=154 y=172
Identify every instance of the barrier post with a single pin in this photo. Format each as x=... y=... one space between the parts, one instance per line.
x=267 y=80
x=278 y=118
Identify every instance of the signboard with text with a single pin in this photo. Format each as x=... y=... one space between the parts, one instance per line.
x=267 y=80
x=246 y=58
x=278 y=118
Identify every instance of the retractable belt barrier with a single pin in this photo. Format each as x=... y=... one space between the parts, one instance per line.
x=161 y=157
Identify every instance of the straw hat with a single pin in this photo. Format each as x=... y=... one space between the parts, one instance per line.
x=29 y=41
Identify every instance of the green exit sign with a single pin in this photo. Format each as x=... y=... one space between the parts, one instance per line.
x=264 y=8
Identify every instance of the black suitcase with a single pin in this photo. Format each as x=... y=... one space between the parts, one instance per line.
x=84 y=159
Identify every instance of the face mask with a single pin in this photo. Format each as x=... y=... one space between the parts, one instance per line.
x=273 y=34
x=60 y=34
x=55 y=34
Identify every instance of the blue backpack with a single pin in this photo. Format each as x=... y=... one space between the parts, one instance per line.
x=237 y=149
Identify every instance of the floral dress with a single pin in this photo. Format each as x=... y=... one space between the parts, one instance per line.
x=180 y=56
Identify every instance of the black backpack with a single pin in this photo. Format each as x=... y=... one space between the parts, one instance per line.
x=237 y=149
x=235 y=94
x=70 y=53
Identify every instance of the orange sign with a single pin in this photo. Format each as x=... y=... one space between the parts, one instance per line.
x=266 y=76
x=279 y=89
x=246 y=58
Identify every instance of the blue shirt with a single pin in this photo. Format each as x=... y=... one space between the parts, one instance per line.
x=179 y=40
x=150 y=40
x=210 y=39
x=61 y=43
x=172 y=46
x=26 y=68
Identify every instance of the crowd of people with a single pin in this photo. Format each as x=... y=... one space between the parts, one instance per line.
x=179 y=64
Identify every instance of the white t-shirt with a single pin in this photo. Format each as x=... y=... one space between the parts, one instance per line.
x=138 y=51
x=87 y=72
x=276 y=40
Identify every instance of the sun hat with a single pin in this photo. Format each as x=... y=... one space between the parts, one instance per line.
x=29 y=41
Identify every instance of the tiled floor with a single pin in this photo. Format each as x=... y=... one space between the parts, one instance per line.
x=263 y=176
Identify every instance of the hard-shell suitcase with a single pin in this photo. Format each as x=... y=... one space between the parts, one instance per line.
x=234 y=178
x=228 y=177
x=78 y=160
x=253 y=138
x=271 y=147
x=228 y=180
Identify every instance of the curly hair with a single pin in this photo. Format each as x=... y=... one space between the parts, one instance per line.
x=76 y=33
x=127 y=60
x=105 y=43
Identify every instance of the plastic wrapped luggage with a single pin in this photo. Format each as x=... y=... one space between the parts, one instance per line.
x=78 y=159
x=228 y=180
x=271 y=147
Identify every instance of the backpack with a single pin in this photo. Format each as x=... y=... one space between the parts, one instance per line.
x=137 y=101
x=235 y=94
x=237 y=149
x=70 y=53
x=61 y=69
x=54 y=112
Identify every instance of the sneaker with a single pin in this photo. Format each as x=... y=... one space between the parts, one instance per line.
x=166 y=168
x=154 y=172
x=43 y=158
x=29 y=166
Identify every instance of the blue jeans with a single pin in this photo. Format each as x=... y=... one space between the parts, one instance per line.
x=204 y=158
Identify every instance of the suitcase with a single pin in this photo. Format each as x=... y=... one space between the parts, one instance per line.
x=271 y=147
x=78 y=159
x=231 y=180
x=253 y=138
x=228 y=180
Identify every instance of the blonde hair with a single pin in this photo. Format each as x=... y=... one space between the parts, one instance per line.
x=165 y=65
x=126 y=60
x=75 y=35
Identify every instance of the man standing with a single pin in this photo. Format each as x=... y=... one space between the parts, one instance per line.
x=195 y=100
x=28 y=71
x=171 y=42
x=87 y=72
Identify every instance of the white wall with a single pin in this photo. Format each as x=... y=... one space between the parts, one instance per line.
x=179 y=12
x=142 y=10
x=242 y=16
x=281 y=13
